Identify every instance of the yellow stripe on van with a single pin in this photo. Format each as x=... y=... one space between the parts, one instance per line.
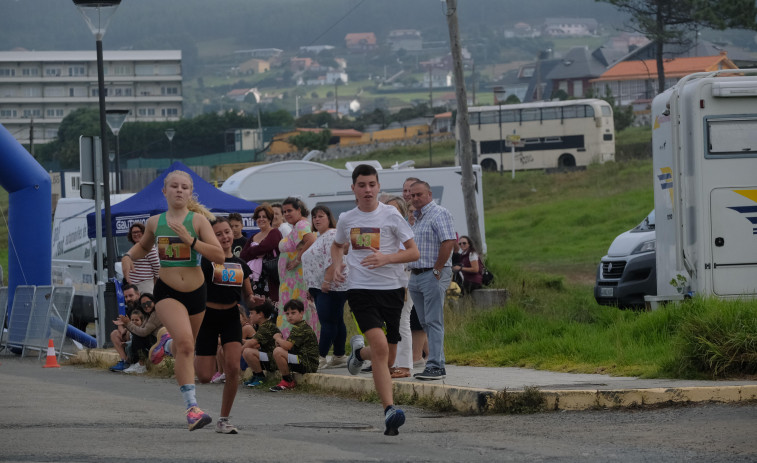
x=751 y=194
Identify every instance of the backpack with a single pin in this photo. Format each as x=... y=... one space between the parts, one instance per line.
x=486 y=276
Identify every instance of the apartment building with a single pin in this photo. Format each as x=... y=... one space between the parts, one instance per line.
x=45 y=86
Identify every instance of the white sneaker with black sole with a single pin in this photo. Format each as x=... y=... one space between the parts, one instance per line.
x=225 y=427
x=353 y=364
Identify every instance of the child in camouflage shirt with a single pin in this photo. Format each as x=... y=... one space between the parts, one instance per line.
x=299 y=352
x=258 y=350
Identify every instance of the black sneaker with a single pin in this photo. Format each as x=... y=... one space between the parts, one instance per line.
x=431 y=373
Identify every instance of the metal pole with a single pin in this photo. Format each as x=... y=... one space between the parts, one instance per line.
x=109 y=243
x=501 y=159
x=512 y=153
x=429 y=144
x=118 y=166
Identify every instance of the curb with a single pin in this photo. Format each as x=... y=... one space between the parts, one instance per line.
x=470 y=400
x=478 y=401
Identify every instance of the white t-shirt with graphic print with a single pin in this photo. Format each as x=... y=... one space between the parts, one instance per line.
x=383 y=228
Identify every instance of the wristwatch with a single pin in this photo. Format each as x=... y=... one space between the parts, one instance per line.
x=437 y=272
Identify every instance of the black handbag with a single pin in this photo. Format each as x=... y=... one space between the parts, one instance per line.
x=271 y=270
x=486 y=276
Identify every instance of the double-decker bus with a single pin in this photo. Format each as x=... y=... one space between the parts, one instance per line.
x=551 y=134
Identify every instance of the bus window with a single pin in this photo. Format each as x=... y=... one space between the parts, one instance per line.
x=488 y=117
x=530 y=114
x=732 y=137
x=589 y=111
x=606 y=111
x=550 y=113
x=509 y=116
x=474 y=118
x=570 y=112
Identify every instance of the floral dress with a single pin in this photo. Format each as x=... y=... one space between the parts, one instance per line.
x=292 y=282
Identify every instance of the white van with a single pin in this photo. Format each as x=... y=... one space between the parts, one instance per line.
x=627 y=273
x=73 y=253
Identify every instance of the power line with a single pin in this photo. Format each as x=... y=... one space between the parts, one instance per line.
x=337 y=22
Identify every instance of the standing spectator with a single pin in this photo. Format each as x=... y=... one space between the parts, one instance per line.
x=182 y=234
x=236 y=223
x=263 y=246
x=329 y=305
x=291 y=281
x=142 y=272
x=144 y=335
x=420 y=340
x=434 y=232
x=470 y=265
x=278 y=220
x=376 y=234
x=226 y=283
x=401 y=365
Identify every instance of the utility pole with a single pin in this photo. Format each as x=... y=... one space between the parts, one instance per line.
x=31 y=137
x=430 y=89
x=336 y=99
x=463 y=127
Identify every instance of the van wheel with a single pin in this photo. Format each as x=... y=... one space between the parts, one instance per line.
x=489 y=165
x=566 y=160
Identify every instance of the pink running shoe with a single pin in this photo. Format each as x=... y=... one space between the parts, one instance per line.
x=158 y=351
x=197 y=418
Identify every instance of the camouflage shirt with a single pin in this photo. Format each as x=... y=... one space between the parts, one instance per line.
x=305 y=346
x=264 y=336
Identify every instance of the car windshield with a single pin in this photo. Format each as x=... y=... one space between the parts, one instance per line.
x=647 y=224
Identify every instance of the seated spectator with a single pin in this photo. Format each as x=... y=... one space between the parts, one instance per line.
x=120 y=335
x=299 y=352
x=469 y=267
x=144 y=335
x=258 y=351
x=122 y=341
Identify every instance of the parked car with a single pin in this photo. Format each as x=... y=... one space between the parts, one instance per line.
x=627 y=273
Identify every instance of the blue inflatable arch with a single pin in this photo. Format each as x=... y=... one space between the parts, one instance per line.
x=29 y=216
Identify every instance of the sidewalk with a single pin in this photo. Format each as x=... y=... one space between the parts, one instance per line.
x=476 y=389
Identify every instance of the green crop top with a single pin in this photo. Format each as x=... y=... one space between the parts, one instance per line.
x=173 y=252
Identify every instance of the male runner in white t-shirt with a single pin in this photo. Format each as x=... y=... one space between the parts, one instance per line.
x=376 y=234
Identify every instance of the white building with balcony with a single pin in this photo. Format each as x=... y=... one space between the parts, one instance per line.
x=47 y=85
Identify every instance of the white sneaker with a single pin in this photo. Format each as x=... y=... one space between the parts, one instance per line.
x=337 y=362
x=322 y=362
x=353 y=364
x=224 y=427
x=218 y=378
x=136 y=368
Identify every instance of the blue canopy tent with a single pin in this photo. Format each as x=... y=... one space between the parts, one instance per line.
x=150 y=201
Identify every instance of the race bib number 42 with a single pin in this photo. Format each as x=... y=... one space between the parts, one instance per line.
x=365 y=238
x=228 y=274
x=172 y=248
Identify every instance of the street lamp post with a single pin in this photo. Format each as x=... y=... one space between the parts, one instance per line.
x=430 y=124
x=97 y=14
x=116 y=119
x=499 y=92
x=169 y=134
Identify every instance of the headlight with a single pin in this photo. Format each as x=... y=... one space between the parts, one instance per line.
x=646 y=246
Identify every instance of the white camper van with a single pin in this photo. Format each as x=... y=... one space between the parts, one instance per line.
x=317 y=183
x=704 y=141
x=73 y=252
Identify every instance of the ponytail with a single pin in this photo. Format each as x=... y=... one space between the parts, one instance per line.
x=197 y=207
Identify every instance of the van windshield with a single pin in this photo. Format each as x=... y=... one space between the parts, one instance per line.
x=647 y=224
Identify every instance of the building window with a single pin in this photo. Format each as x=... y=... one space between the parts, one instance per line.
x=120 y=70
x=169 y=112
x=76 y=71
x=144 y=70
x=77 y=92
x=96 y=92
x=54 y=112
x=169 y=90
x=54 y=92
x=30 y=72
x=52 y=72
x=51 y=133
x=32 y=113
x=6 y=72
x=127 y=92
x=7 y=113
x=146 y=111
x=32 y=92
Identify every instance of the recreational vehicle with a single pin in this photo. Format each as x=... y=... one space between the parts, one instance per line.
x=705 y=186
x=317 y=183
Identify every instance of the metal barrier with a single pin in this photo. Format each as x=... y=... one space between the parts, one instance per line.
x=60 y=312
x=19 y=319
x=3 y=311
x=37 y=329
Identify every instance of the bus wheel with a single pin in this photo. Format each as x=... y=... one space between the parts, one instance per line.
x=489 y=165
x=566 y=160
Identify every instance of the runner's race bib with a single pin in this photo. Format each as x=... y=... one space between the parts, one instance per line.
x=365 y=238
x=228 y=274
x=173 y=249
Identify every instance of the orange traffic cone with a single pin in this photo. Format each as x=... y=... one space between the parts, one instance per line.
x=52 y=362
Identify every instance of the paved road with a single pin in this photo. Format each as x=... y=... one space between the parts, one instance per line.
x=87 y=415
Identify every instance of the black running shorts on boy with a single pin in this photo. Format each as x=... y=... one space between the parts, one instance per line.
x=223 y=322
x=194 y=301
x=376 y=308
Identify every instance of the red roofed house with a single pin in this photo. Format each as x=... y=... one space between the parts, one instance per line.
x=363 y=41
x=632 y=81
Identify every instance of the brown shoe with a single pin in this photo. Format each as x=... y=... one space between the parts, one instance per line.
x=400 y=372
